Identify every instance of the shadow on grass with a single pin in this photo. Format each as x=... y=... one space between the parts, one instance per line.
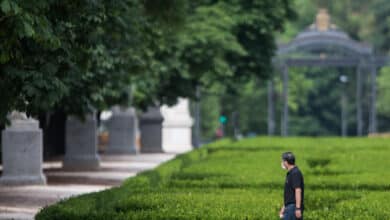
x=244 y=149
x=273 y=186
x=318 y=162
x=326 y=172
x=154 y=177
x=134 y=205
x=365 y=187
x=196 y=176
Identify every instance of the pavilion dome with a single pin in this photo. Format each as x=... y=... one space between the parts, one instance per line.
x=322 y=36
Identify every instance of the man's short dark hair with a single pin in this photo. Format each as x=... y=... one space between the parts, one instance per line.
x=289 y=157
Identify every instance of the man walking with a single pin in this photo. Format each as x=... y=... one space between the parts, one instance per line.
x=293 y=189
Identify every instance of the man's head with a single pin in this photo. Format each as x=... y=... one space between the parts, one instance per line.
x=288 y=160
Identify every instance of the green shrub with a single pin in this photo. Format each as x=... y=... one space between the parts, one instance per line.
x=345 y=178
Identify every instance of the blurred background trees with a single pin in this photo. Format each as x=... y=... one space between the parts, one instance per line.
x=314 y=98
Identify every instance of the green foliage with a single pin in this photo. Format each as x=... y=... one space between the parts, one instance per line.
x=384 y=91
x=69 y=55
x=30 y=58
x=78 y=56
x=221 y=42
x=245 y=106
x=315 y=93
x=381 y=28
x=248 y=108
x=210 y=111
x=243 y=180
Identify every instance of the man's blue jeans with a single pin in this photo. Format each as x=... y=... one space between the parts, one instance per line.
x=289 y=213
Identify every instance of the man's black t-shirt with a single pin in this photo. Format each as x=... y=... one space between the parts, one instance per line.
x=294 y=179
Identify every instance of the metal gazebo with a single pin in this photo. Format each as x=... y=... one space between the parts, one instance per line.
x=323 y=44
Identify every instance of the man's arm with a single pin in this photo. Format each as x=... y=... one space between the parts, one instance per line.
x=298 y=197
x=281 y=212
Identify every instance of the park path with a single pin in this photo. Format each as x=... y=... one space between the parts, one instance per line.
x=23 y=202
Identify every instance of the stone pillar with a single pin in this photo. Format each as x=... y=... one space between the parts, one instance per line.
x=81 y=144
x=22 y=152
x=122 y=128
x=176 y=134
x=151 y=130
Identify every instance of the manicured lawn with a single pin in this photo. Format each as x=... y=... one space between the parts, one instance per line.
x=344 y=178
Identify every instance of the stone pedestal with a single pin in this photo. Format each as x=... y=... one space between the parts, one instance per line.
x=81 y=144
x=22 y=153
x=151 y=131
x=122 y=129
x=177 y=127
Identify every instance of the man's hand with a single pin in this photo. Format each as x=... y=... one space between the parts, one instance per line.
x=298 y=213
x=281 y=213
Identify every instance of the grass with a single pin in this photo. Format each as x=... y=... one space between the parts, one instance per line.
x=345 y=178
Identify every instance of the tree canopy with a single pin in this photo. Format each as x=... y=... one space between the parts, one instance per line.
x=91 y=54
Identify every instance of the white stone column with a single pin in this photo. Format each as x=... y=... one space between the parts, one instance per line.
x=22 y=152
x=176 y=134
x=81 y=144
x=122 y=128
x=151 y=131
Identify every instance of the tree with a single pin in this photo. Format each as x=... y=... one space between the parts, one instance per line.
x=30 y=57
x=70 y=55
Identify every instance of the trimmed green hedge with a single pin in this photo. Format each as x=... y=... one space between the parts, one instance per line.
x=345 y=178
